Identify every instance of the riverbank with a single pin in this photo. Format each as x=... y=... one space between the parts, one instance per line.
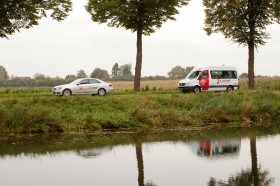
x=133 y=111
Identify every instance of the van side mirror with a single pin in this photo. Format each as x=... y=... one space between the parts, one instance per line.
x=199 y=78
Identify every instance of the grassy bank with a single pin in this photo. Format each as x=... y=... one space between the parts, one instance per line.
x=151 y=109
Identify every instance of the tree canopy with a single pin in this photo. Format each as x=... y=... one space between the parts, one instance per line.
x=81 y=74
x=115 y=69
x=179 y=72
x=3 y=73
x=141 y=16
x=242 y=21
x=18 y=14
x=132 y=14
x=100 y=74
x=125 y=69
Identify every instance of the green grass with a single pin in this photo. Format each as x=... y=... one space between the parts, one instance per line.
x=158 y=105
x=44 y=113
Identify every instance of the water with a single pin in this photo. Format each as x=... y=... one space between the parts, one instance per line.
x=156 y=158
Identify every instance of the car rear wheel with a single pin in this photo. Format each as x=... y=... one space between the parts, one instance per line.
x=101 y=92
x=66 y=92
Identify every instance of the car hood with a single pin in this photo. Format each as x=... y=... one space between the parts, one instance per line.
x=64 y=85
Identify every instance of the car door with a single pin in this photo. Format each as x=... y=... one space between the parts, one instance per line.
x=94 y=85
x=83 y=87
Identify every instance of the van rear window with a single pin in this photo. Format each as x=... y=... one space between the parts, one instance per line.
x=223 y=74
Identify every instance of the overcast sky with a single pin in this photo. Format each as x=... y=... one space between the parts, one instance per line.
x=61 y=48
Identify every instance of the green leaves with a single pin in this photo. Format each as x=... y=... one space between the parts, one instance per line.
x=242 y=21
x=18 y=14
x=134 y=14
x=3 y=73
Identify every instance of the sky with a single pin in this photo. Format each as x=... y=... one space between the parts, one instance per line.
x=59 y=48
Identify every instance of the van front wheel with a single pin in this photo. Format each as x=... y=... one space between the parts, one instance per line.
x=196 y=89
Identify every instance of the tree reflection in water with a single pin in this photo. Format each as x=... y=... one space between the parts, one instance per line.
x=140 y=165
x=249 y=177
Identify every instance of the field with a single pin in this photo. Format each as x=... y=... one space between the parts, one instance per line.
x=154 y=85
x=159 y=105
x=261 y=83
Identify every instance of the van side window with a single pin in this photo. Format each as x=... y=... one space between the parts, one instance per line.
x=225 y=74
x=234 y=74
x=216 y=74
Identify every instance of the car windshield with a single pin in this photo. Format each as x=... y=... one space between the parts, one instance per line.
x=193 y=74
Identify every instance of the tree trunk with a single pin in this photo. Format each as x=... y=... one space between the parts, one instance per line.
x=138 y=67
x=255 y=174
x=140 y=164
x=251 y=73
x=251 y=43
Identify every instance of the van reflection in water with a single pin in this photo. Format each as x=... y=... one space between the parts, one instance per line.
x=219 y=148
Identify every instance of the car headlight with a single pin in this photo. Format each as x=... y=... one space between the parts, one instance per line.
x=57 y=88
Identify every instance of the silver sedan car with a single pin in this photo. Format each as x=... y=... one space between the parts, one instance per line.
x=84 y=86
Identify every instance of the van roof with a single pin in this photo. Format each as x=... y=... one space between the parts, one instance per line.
x=217 y=68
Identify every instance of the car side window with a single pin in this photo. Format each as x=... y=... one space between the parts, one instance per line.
x=84 y=81
x=93 y=81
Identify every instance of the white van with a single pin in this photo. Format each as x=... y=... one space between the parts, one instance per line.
x=212 y=78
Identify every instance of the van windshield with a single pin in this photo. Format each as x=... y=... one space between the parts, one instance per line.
x=193 y=74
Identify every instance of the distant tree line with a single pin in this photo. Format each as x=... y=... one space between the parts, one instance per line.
x=119 y=73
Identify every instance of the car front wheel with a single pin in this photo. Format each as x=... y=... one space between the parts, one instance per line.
x=66 y=92
x=101 y=92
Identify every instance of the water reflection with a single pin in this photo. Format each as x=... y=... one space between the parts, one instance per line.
x=146 y=159
x=249 y=177
x=219 y=148
x=92 y=153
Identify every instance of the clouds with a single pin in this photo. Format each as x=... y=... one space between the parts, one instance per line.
x=58 y=49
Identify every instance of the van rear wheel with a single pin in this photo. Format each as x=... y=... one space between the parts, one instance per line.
x=230 y=88
x=196 y=89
